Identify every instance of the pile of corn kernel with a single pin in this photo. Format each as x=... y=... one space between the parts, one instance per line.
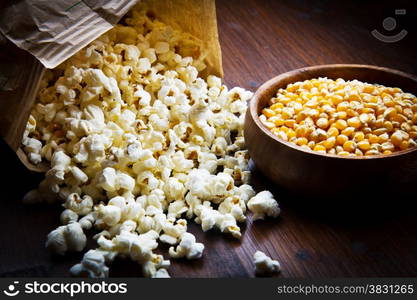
x=138 y=145
x=350 y=118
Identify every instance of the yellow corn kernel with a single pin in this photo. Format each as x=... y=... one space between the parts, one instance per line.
x=291 y=133
x=379 y=123
x=354 y=122
x=380 y=131
x=387 y=152
x=277 y=121
x=282 y=135
x=408 y=113
x=323 y=123
x=368 y=88
x=404 y=145
x=388 y=101
x=364 y=118
x=269 y=125
x=284 y=129
x=329 y=143
x=348 y=131
x=311 y=144
x=268 y=112
x=372 y=152
x=341 y=139
x=389 y=112
x=398 y=118
x=342 y=115
x=397 y=137
x=340 y=124
x=377 y=147
x=364 y=145
x=336 y=99
x=358 y=152
x=301 y=141
x=289 y=123
x=358 y=136
x=333 y=131
x=332 y=151
x=366 y=130
x=383 y=138
x=349 y=146
x=277 y=106
x=388 y=125
x=387 y=146
x=351 y=113
x=319 y=148
x=373 y=138
x=344 y=153
x=343 y=106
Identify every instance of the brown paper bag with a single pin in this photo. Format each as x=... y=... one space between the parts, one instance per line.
x=53 y=31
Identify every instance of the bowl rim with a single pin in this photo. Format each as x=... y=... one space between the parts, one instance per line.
x=253 y=108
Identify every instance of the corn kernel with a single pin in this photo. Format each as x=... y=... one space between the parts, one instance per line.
x=343 y=117
x=387 y=146
x=364 y=118
x=301 y=141
x=329 y=143
x=349 y=146
x=372 y=152
x=291 y=133
x=364 y=145
x=282 y=135
x=404 y=145
x=319 y=148
x=348 y=131
x=373 y=138
x=341 y=139
x=340 y=124
x=358 y=136
x=380 y=131
x=383 y=138
x=358 y=152
x=289 y=123
x=344 y=153
x=268 y=112
x=354 y=122
x=333 y=131
x=323 y=123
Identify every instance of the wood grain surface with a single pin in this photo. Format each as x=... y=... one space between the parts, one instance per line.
x=372 y=236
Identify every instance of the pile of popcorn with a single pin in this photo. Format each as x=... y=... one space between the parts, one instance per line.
x=138 y=145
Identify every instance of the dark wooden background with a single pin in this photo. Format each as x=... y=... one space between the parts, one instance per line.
x=261 y=39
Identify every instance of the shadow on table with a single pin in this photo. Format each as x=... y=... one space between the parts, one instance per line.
x=365 y=207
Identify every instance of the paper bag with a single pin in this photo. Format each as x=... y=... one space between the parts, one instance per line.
x=53 y=31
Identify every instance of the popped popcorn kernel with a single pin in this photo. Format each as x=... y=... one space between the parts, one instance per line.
x=138 y=146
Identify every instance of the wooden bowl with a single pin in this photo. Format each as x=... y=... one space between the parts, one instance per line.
x=313 y=174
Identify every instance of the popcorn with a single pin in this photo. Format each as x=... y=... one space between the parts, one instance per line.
x=187 y=248
x=68 y=216
x=81 y=206
x=264 y=204
x=265 y=265
x=136 y=140
x=66 y=238
x=87 y=221
x=92 y=265
x=162 y=273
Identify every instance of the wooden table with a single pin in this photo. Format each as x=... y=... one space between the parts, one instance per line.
x=261 y=39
